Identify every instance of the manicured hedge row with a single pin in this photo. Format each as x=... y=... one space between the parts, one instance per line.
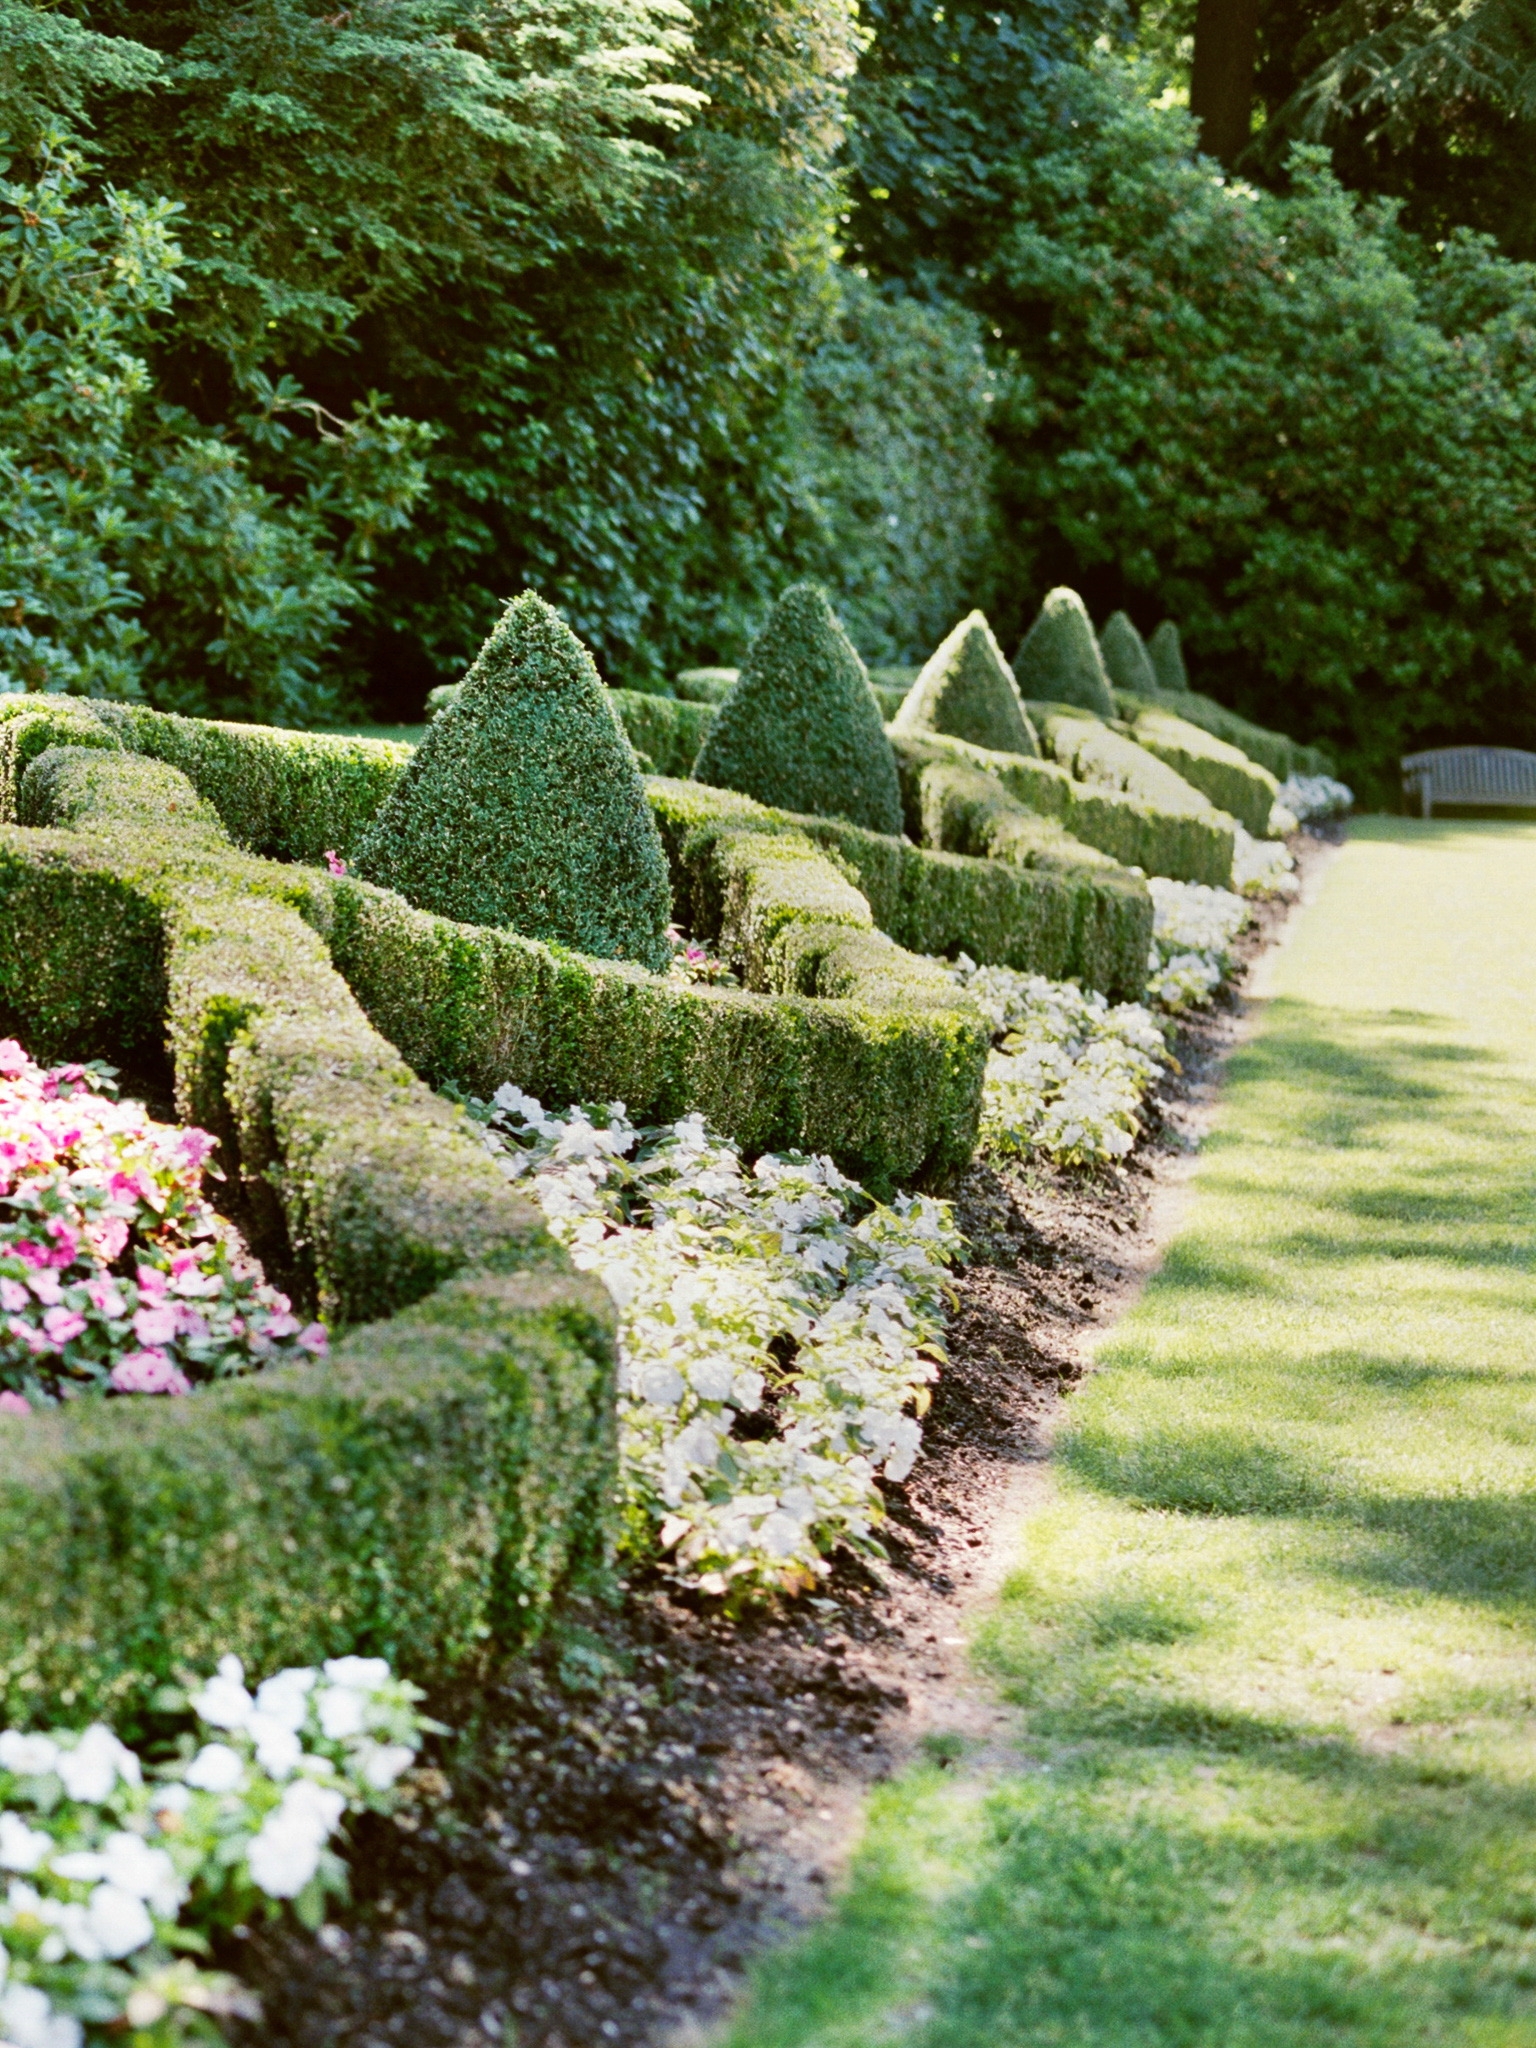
x=1078 y=914
x=425 y=1495
x=1283 y=757
x=1219 y=770
x=1189 y=848
x=855 y=1049
x=666 y=731
x=436 y=1487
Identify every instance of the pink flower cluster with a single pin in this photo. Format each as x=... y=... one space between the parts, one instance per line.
x=116 y=1275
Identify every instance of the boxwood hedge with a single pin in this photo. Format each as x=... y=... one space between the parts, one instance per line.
x=430 y=1491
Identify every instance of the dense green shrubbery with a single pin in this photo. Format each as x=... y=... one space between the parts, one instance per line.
x=140 y=550
x=1310 y=437
x=523 y=806
x=612 y=310
x=800 y=728
x=967 y=688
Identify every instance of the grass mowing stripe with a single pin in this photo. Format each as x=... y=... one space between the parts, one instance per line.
x=1272 y=1640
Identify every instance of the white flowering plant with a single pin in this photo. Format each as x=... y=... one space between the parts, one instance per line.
x=116 y=1878
x=116 y=1274
x=1069 y=1070
x=1194 y=931
x=1308 y=797
x=778 y=1331
x=1262 y=867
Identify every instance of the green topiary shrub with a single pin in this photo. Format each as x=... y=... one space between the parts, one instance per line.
x=1058 y=660
x=801 y=729
x=1126 y=660
x=523 y=805
x=966 y=688
x=1166 y=654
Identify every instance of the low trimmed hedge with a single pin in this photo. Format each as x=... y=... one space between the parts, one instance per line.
x=1077 y=915
x=1213 y=766
x=429 y=1492
x=1188 y=847
x=1283 y=757
x=1095 y=754
x=848 y=1045
x=666 y=732
x=425 y=1495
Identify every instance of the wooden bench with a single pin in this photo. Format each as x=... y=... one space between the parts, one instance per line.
x=1502 y=778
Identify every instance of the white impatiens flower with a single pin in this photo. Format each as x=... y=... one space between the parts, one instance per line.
x=215 y=1768
x=21 y=1848
x=28 y=2020
x=27 y=1756
x=119 y=1922
x=343 y=1712
x=285 y=1854
x=362 y=1674
x=382 y=1762
x=781 y=1294
x=278 y=1748
x=91 y=1769
x=104 y=1882
x=224 y=1701
x=284 y=1699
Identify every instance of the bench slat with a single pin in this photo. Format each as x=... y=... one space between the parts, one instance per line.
x=1500 y=777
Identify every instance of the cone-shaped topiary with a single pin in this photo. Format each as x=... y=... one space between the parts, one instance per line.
x=966 y=689
x=1167 y=658
x=1059 y=661
x=1126 y=659
x=801 y=729
x=523 y=805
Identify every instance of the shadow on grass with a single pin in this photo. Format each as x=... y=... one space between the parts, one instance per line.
x=1177 y=1879
x=1196 y=1471
x=1108 y=1920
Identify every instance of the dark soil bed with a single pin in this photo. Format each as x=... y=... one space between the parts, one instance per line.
x=616 y=1824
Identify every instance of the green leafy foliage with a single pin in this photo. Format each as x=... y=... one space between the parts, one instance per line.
x=967 y=688
x=801 y=728
x=523 y=806
x=1058 y=661
x=141 y=554
x=1339 y=495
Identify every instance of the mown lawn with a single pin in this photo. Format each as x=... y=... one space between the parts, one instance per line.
x=1272 y=1641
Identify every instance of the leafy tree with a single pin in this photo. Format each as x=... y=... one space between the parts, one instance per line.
x=1274 y=416
x=140 y=554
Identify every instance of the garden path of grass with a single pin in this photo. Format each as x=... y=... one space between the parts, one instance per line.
x=1271 y=1641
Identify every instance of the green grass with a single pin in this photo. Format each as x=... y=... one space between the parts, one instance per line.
x=1271 y=1640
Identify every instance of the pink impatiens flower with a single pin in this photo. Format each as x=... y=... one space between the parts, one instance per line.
x=14 y=1297
x=155 y=1325
x=45 y=1286
x=106 y=1298
x=334 y=862
x=314 y=1338
x=107 y=1239
x=13 y=1061
x=14 y=1404
x=151 y=1282
x=196 y=1145
x=63 y=1324
x=149 y=1372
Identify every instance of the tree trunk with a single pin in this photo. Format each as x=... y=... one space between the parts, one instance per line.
x=1221 y=84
